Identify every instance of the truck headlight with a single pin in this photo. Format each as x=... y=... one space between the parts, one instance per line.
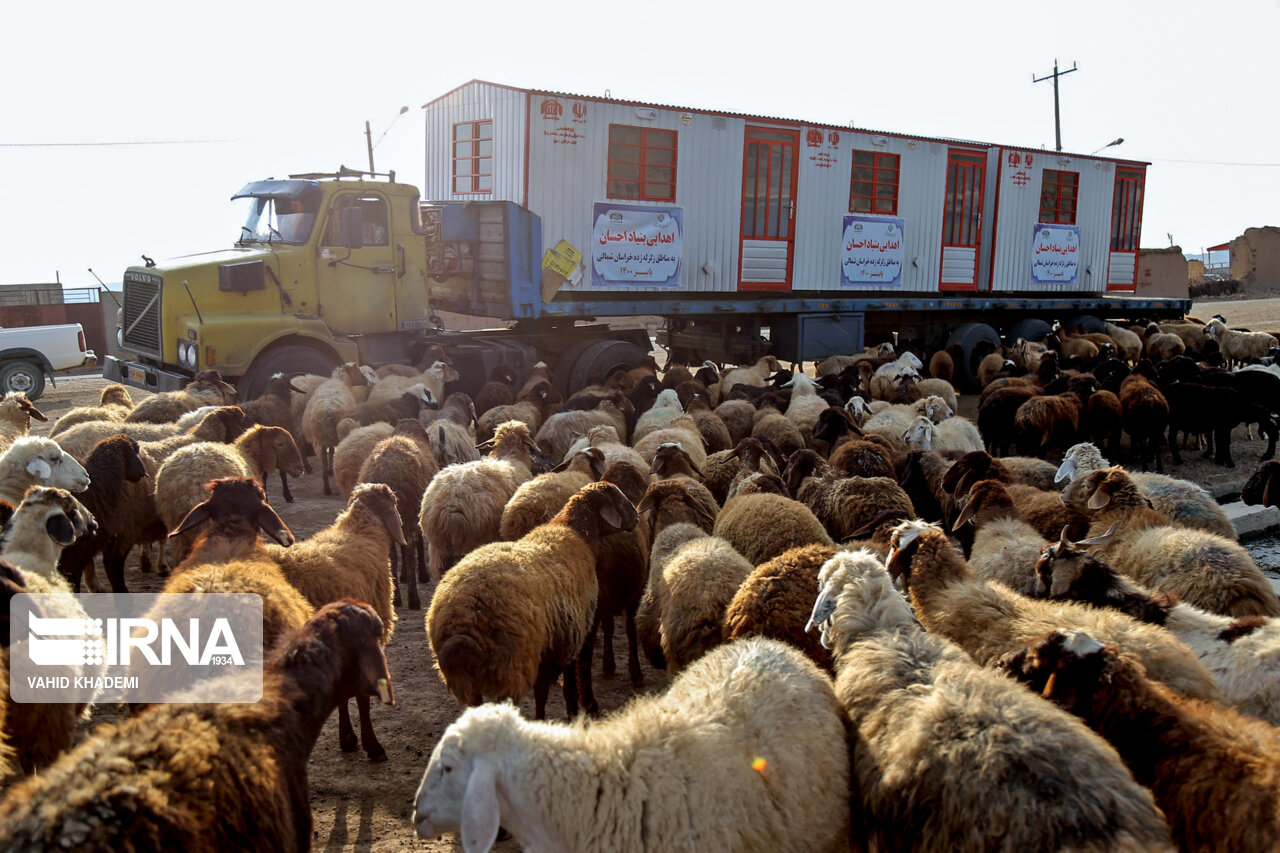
x=187 y=354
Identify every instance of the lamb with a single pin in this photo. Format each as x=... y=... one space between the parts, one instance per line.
x=692 y=745
x=1201 y=568
x=181 y=479
x=34 y=460
x=147 y=782
x=952 y=435
x=462 y=508
x=1182 y=750
x=943 y=744
x=1238 y=653
x=46 y=522
x=775 y=601
x=539 y=599
x=1239 y=347
x=986 y=618
x=114 y=404
x=1184 y=502
x=404 y=463
x=275 y=408
x=762 y=526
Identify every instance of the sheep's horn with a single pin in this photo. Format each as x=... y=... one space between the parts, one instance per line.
x=1098 y=540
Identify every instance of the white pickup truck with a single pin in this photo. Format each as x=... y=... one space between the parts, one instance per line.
x=29 y=353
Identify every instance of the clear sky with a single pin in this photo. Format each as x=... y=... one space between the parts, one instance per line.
x=127 y=126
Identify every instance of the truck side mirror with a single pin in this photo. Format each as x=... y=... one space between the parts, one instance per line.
x=353 y=227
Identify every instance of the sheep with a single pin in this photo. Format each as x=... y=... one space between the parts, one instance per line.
x=355 y=443
x=275 y=408
x=996 y=413
x=530 y=408
x=921 y=473
x=843 y=505
x=560 y=430
x=498 y=391
x=330 y=402
x=462 y=508
x=404 y=463
x=80 y=439
x=540 y=499
x=682 y=430
x=1145 y=417
x=1129 y=343
x=605 y=439
x=885 y=378
x=423 y=357
x=990 y=365
x=537 y=374
x=712 y=428
x=1201 y=568
x=223 y=776
x=114 y=404
x=168 y=406
x=16 y=412
x=986 y=618
x=233 y=497
x=47 y=521
x=952 y=435
x=34 y=460
x=181 y=479
x=770 y=423
x=408 y=404
x=433 y=380
x=979 y=465
x=1003 y=546
x=1239 y=347
x=1047 y=422
x=1160 y=345
x=776 y=598
x=1184 y=502
x=1184 y=751
x=1261 y=487
x=539 y=597
x=942 y=743
x=805 y=405
x=451 y=430
x=673 y=462
x=696 y=747
x=1238 y=653
x=762 y=526
x=738 y=417
x=665 y=409
x=942 y=366
x=755 y=375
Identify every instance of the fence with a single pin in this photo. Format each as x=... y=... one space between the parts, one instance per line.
x=48 y=306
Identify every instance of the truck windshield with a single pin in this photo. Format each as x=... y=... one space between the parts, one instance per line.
x=277 y=220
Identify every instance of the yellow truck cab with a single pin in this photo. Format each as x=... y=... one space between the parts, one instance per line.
x=319 y=260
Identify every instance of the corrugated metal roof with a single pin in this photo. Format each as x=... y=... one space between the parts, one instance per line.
x=946 y=140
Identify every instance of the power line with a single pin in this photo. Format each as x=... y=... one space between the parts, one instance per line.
x=108 y=144
x=1214 y=163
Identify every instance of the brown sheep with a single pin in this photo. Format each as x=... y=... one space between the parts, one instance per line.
x=762 y=526
x=776 y=599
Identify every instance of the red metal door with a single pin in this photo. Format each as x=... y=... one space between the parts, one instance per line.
x=962 y=220
x=767 y=244
x=1126 y=229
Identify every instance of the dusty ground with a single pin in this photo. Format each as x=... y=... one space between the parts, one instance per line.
x=358 y=805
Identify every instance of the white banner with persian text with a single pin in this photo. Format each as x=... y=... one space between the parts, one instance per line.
x=1055 y=254
x=631 y=244
x=871 y=251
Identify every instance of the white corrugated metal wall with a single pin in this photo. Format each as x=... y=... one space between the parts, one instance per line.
x=477 y=102
x=1020 y=210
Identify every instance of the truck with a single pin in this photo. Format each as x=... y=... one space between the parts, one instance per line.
x=30 y=353
x=547 y=214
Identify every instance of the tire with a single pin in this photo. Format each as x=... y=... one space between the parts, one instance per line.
x=1029 y=329
x=599 y=358
x=969 y=337
x=564 y=364
x=286 y=359
x=22 y=376
x=1089 y=322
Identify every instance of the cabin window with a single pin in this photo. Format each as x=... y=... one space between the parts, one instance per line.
x=642 y=163
x=473 y=156
x=873 y=187
x=373 y=216
x=1058 y=195
x=1126 y=210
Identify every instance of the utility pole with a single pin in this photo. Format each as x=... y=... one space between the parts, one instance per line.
x=368 y=138
x=1057 y=121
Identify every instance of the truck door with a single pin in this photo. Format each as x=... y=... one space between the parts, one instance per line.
x=962 y=220
x=1126 y=227
x=768 y=209
x=355 y=273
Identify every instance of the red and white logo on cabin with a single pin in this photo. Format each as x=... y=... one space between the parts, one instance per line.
x=1015 y=159
x=551 y=109
x=1029 y=159
x=833 y=138
x=814 y=138
x=579 y=109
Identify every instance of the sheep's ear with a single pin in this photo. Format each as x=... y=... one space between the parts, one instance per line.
x=199 y=515
x=645 y=505
x=272 y=525
x=1066 y=471
x=1266 y=490
x=267 y=452
x=480 y=808
x=1100 y=497
x=704 y=513
x=31 y=410
x=60 y=529
x=610 y=515
x=966 y=514
x=967 y=479
x=39 y=468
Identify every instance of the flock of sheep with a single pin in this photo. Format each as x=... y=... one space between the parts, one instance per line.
x=881 y=629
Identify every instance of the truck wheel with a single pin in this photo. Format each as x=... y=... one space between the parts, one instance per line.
x=600 y=358
x=22 y=376
x=1030 y=329
x=286 y=360
x=975 y=340
x=1089 y=322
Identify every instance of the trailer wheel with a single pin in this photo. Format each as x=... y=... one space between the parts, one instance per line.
x=1089 y=322
x=600 y=358
x=1029 y=329
x=22 y=376
x=286 y=359
x=975 y=340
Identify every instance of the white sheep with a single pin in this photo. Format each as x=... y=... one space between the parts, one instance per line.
x=16 y=412
x=942 y=743
x=330 y=402
x=953 y=434
x=47 y=521
x=755 y=375
x=805 y=405
x=664 y=410
x=1239 y=347
x=391 y=388
x=34 y=460
x=745 y=751
x=884 y=382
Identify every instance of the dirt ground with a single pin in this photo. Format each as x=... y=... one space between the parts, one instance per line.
x=359 y=805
